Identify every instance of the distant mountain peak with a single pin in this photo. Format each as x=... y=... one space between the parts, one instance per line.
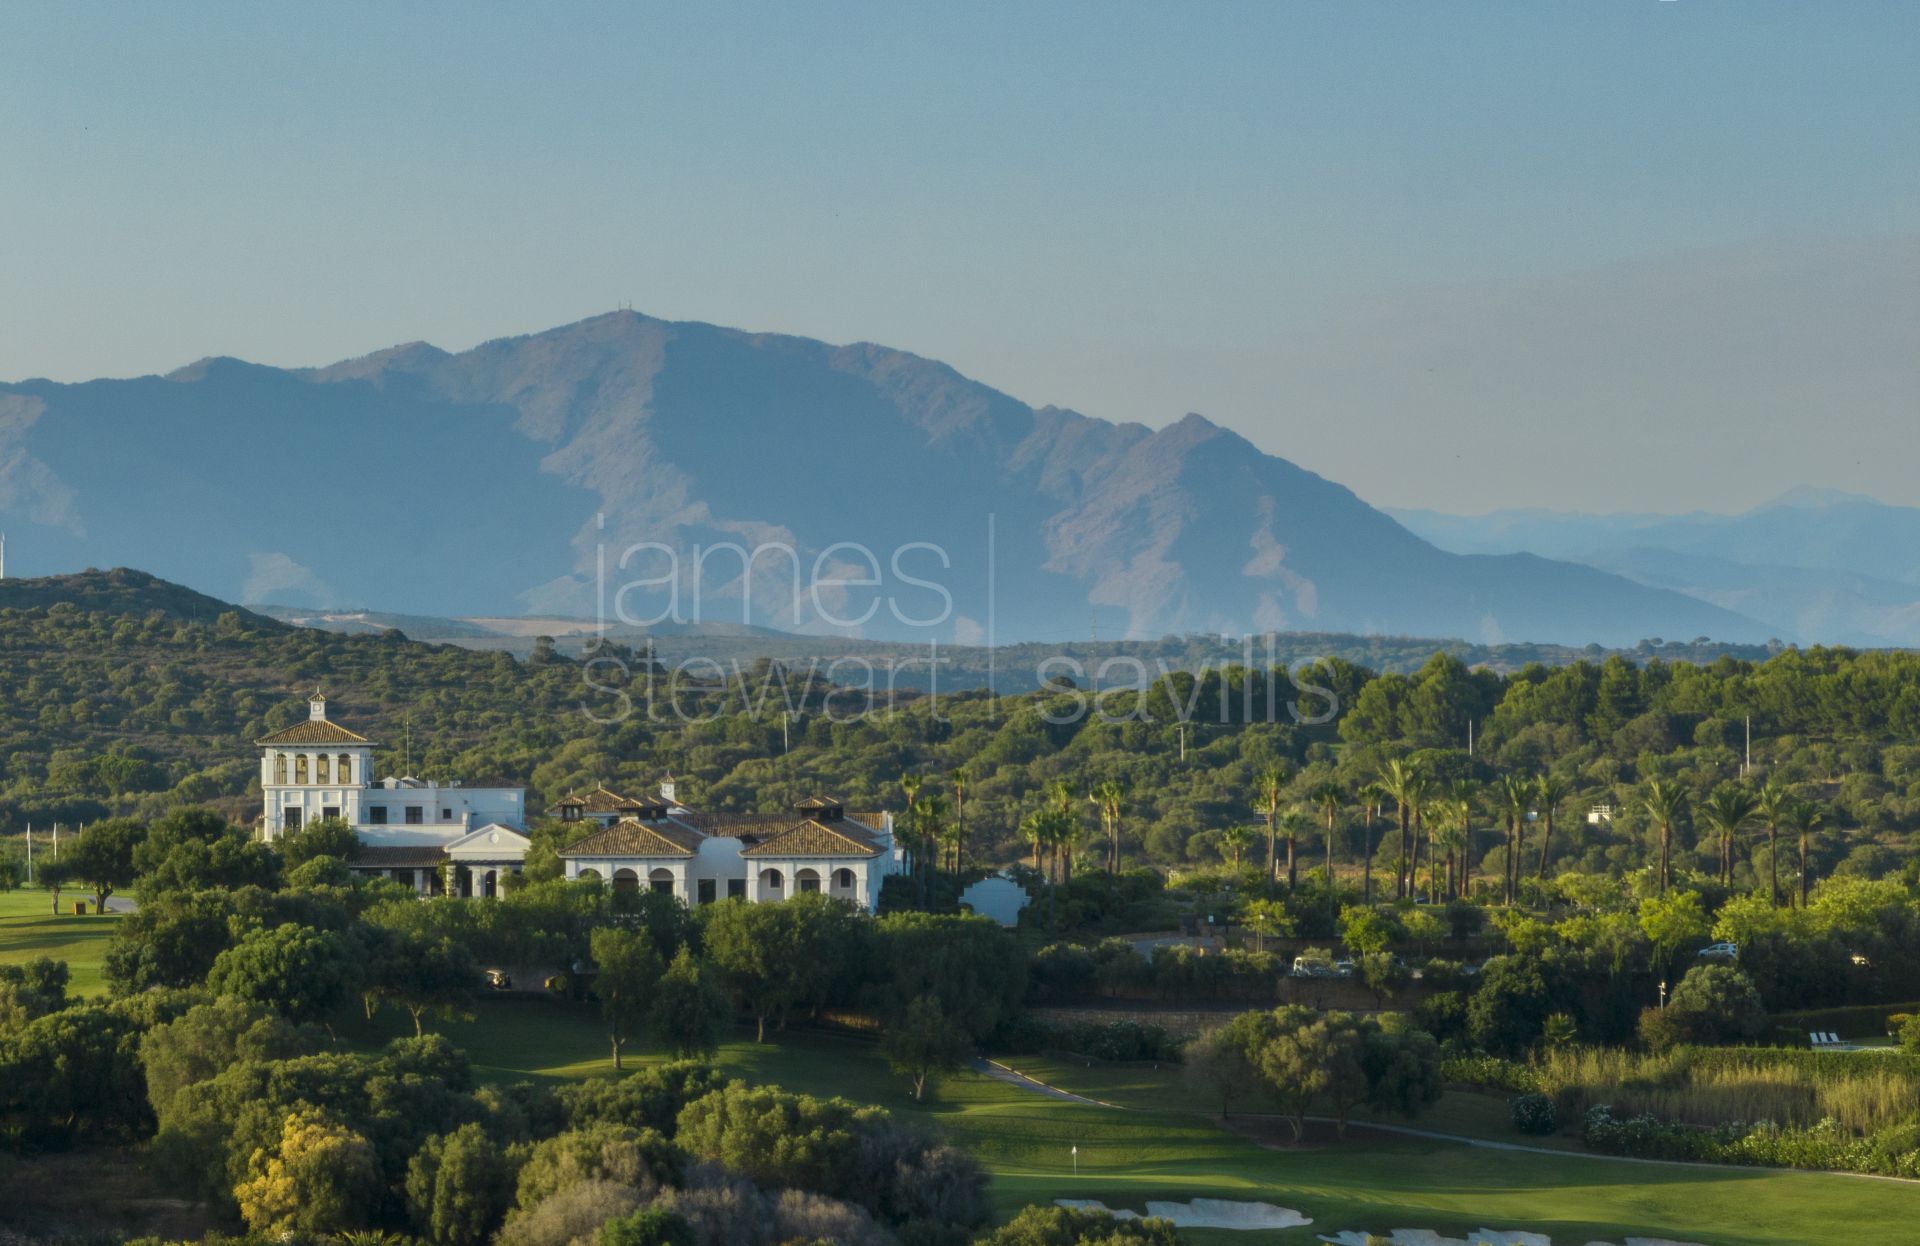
x=1816 y=497
x=494 y=481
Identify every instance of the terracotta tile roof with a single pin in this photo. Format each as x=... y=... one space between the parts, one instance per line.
x=600 y=800
x=764 y=824
x=398 y=857
x=314 y=732
x=816 y=839
x=628 y=838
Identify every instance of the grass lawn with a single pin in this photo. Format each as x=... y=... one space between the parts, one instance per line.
x=1157 y=1144
x=29 y=929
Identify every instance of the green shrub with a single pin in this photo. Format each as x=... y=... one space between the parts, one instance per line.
x=1889 y=1152
x=1489 y=1073
x=1534 y=1114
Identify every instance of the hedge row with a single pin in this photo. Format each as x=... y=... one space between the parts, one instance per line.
x=1115 y=1042
x=1891 y=1152
x=1860 y=1021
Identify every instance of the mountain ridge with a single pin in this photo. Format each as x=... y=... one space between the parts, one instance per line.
x=1813 y=562
x=443 y=483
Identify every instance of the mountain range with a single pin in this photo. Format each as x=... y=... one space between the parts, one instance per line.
x=1813 y=564
x=632 y=464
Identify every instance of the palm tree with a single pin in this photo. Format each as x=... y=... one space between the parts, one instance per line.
x=1066 y=827
x=1035 y=829
x=1430 y=814
x=1371 y=797
x=950 y=841
x=1806 y=821
x=1109 y=799
x=910 y=784
x=1047 y=827
x=1267 y=787
x=1451 y=834
x=1515 y=795
x=1774 y=805
x=1329 y=796
x=1666 y=803
x=1463 y=793
x=1552 y=792
x=1727 y=810
x=1401 y=779
x=930 y=820
x=1292 y=822
x=1237 y=839
x=959 y=777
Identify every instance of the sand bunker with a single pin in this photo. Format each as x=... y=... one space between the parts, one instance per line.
x=1427 y=1237
x=1202 y=1213
x=1480 y=1237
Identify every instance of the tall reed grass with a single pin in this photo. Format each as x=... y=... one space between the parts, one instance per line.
x=1862 y=1098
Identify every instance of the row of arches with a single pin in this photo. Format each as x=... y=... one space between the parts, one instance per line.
x=773 y=882
x=322 y=768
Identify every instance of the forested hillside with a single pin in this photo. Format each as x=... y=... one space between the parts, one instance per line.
x=105 y=709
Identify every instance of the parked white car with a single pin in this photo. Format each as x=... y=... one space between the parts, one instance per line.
x=1721 y=951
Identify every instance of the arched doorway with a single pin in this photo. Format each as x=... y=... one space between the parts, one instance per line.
x=772 y=883
x=587 y=875
x=661 y=880
x=625 y=880
x=806 y=881
x=489 y=884
x=844 y=885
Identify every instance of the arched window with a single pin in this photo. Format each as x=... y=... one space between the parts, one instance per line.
x=300 y=768
x=771 y=882
x=346 y=768
x=807 y=880
x=323 y=769
x=279 y=767
x=843 y=880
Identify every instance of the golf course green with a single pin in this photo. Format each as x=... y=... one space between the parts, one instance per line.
x=1158 y=1143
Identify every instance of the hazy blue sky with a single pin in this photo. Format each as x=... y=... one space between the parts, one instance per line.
x=1613 y=255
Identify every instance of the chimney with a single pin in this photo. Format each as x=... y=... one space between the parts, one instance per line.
x=317 y=708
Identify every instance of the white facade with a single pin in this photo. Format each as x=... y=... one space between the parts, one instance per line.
x=701 y=859
x=448 y=837
x=318 y=769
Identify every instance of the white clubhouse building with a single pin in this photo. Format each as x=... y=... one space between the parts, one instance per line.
x=410 y=829
x=662 y=845
x=441 y=837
